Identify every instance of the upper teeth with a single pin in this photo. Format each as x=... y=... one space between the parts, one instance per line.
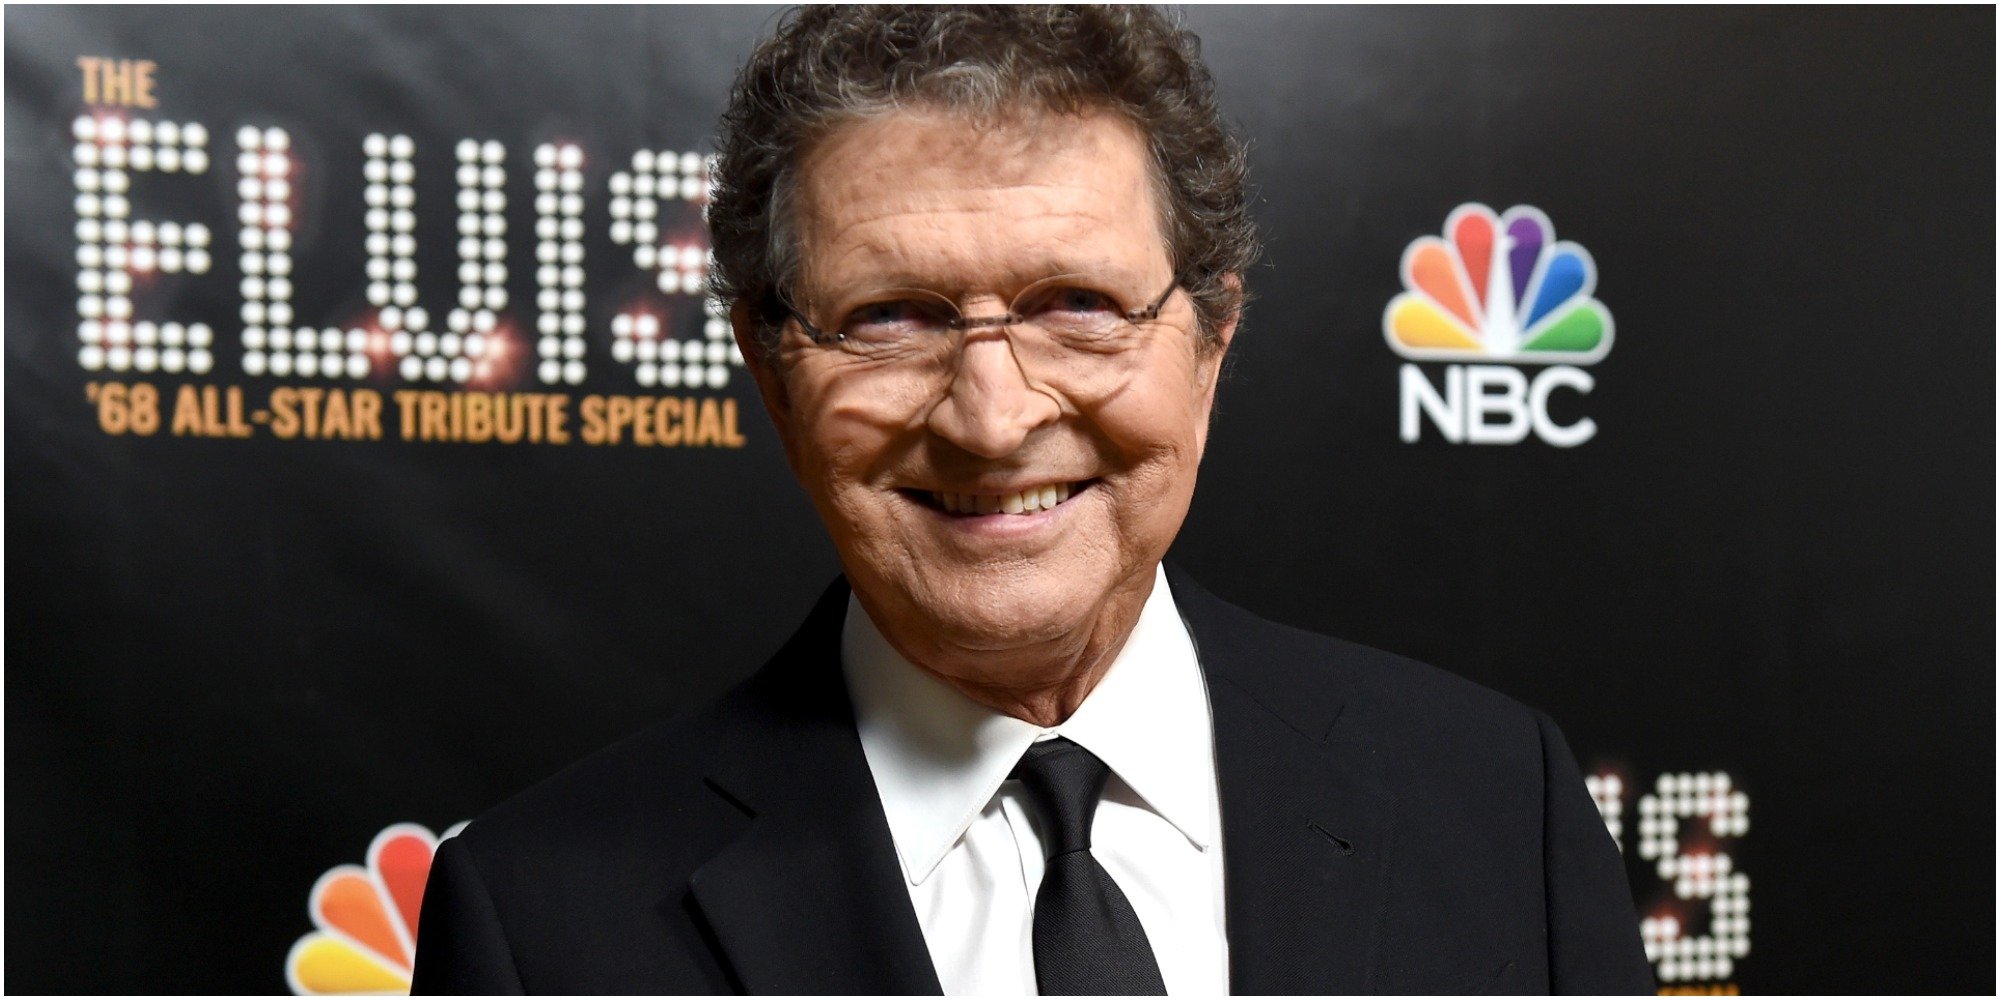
x=1026 y=501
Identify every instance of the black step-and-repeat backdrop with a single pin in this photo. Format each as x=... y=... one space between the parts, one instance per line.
x=371 y=451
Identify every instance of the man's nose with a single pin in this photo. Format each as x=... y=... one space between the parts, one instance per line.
x=990 y=407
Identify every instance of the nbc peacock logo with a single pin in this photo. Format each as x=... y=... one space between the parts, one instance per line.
x=1494 y=293
x=366 y=917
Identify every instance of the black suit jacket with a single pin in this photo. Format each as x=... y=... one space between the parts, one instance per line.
x=1387 y=827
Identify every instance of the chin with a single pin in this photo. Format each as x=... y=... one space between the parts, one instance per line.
x=1011 y=608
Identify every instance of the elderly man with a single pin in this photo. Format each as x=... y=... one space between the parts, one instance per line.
x=986 y=264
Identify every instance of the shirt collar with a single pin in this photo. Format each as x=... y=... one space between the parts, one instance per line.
x=938 y=757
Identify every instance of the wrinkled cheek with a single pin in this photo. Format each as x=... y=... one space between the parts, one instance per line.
x=842 y=448
x=1150 y=432
x=841 y=436
x=1157 y=446
x=1148 y=401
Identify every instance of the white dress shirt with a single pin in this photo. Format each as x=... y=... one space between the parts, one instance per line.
x=963 y=832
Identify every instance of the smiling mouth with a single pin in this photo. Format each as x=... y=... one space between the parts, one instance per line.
x=1028 y=501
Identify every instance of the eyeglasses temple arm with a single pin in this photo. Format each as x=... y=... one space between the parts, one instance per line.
x=1153 y=311
x=804 y=323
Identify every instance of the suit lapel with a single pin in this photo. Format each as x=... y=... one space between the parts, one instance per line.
x=1305 y=818
x=809 y=898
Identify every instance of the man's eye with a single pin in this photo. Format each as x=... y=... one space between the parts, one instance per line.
x=1077 y=302
x=880 y=322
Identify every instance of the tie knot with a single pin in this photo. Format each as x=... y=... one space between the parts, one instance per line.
x=1063 y=781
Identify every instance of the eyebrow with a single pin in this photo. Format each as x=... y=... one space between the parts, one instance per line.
x=1012 y=278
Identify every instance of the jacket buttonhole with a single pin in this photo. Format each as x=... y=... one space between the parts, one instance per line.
x=1346 y=848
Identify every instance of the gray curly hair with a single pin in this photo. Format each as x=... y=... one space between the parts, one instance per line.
x=824 y=67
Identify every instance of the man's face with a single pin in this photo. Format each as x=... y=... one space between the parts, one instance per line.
x=927 y=201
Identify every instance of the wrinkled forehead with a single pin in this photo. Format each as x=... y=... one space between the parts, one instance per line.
x=933 y=200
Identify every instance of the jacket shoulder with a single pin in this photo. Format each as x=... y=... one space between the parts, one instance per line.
x=650 y=790
x=1357 y=691
x=580 y=882
x=1411 y=702
x=639 y=795
x=584 y=881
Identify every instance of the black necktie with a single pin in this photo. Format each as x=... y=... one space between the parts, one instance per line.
x=1087 y=938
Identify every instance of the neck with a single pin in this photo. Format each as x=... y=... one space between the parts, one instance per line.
x=1041 y=682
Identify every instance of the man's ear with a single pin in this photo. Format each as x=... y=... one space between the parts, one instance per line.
x=770 y=385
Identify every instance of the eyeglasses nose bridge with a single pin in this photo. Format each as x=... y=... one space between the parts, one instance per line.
x=984 y=322
x=1003 y=336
